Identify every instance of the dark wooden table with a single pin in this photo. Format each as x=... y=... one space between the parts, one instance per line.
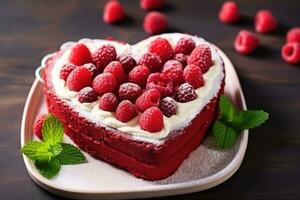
x=271 y=169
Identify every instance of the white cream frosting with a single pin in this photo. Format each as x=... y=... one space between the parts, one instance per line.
x=185 y=111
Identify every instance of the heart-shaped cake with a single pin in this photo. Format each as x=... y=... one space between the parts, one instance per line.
x=142 y=107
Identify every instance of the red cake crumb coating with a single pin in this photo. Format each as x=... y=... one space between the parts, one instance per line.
x=142 y=159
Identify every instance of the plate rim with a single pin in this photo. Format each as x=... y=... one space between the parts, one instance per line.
x=156 y=190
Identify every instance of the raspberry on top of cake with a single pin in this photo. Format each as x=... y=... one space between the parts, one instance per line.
x=146 y=90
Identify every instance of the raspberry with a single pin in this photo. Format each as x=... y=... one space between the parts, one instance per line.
x=129 y=91
x=38 y=125
x=293 y=35
x=127 y=61
x=152 y=120
x=181 y=58
x=79 y=78
x=174 y=70
x=92 y=68
x=229 y=12
x=152 y=61
x=139 y=75
x=185 y=45
x=265 y=22
x=185 y=93
x=104 y=83
x=290 y=52
x=193 y=75
x=87 y=95
x=113 y=12
x=125 y=111
x=108 y=102
x=151 y=4
x=168 y=106
x=66 y=70
x=162 y=48
x=104 y=55
x=148 y=99
x=80 y=54
x=160 y=82
x=116 y=69
x=201 y=56
x=155 y=22
x=245 y=42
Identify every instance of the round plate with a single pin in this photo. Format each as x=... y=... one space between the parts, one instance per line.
x=206 y=167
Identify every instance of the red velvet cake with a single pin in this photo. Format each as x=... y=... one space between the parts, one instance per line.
x=142 y=107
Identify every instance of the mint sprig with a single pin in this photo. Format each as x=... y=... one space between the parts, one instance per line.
x=49 y=154
x=232 y=122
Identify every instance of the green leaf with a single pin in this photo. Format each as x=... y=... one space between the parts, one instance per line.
x=224 y=135
x=48 y=169
x=252 y=119
x=227 y=110
x=37 y=151
x=52 y=130
x=70 y=155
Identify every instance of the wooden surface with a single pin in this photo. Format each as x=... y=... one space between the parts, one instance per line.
x=30 y=29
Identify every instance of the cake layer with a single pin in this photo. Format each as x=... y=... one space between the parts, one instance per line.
x=100 y=150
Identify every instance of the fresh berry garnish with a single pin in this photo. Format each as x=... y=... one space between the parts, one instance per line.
x=192 y=74
x=87 y=95
x=116 y=68
x=201 y=56
x=229 y=12
x=293 y=35
x=66 y=70
x=168 y=106
x=185 y=45
x=185 y=93
x=151 y=4
x=152 y=61
x=160 y=82
x=139 y=75
x=92 y=68
x=152 y=120
x=127 y=61
x=148 y=99
x=108 y=102
x=155 y=22
x=162 y=48
x=290 y=52
x=38 y=125
x=104 y=83
x=181 y=58
x=125 y=111
x=174 y=70
x=129 y=91
x=113 y=12
x=265 y=22
x=80 y=54
x=104 y=55
x=79 y=78
x=245 y=42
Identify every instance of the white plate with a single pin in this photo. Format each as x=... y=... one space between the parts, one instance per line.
x=206 y=167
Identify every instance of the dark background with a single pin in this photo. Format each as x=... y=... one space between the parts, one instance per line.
x=271 y=168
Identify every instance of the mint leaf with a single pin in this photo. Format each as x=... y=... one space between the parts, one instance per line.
x=37 y=151
x=224 y=135
x=70 y=155
x=252 y=119
x=227 y=110
x=52 y=130
x=48 y=169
